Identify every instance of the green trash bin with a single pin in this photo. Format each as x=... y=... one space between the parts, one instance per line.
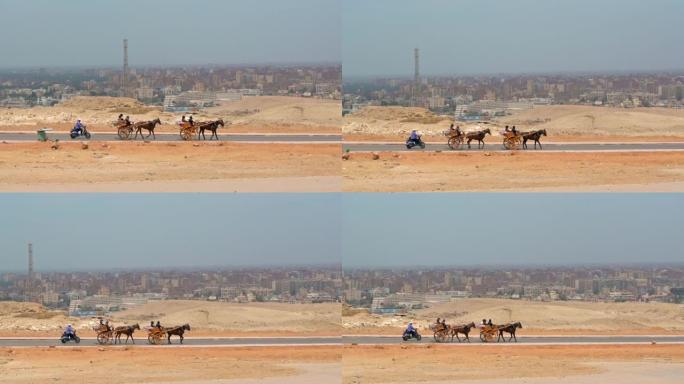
x=42 y=134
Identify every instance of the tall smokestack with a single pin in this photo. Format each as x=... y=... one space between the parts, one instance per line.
x=124 y=77
x=29 y=281
x=416 y=76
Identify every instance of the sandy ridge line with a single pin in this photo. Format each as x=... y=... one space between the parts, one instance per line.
x=187 y=337
x=120 y=346
x=175 y=133
x=542 y=336
x=457 y=152
x=545 y=142
x=513 y=344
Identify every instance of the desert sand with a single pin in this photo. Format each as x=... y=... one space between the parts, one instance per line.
x=538 y=318
x=287 y=365
x=205 y=318
x=262 y=114
x=561 y=121
x=169 y=167
x=491 y=364
x=514 y=171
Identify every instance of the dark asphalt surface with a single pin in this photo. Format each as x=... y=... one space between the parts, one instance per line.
x=142 y=340
x=475 y=339
x=495 y=147
x=32 y=136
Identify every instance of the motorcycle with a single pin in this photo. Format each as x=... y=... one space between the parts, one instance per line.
x=411 y=335
x=410 y=143
x=71 y=337
x=84 y=132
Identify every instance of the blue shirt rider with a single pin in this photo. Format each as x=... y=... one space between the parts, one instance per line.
x=414 y=135
x=410 y=329
x=78 y=127
x=70 y=331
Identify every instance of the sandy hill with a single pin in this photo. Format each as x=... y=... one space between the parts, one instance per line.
x=539 y=315
x=99 y=112
x=581 y=120
x=558 y=120
x=237 y=317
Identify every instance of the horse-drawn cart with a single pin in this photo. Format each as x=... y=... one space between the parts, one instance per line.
x=155 y=335
x=489 y=333
x=123 y=130
x=105 y=334
x=511 y=140
x=187 y=130
x=455 y=140
x=440 y=333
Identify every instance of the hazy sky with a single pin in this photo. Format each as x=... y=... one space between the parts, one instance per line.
x=503 y=229
x=168 y=32
x=100 y=231
x=495 y=36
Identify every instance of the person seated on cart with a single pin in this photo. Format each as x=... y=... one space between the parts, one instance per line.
x=411 y=330
x=120 y=120
x=192 y=123
x=127 y=121
x=483 y=324
x=489 y=323
x=515 y=131
x=183 y=121
x=151 y=324
x=158 y=325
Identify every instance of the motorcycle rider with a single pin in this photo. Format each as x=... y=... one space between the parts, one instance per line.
x=78 y=128
x=415 y=136
x=411 y=330
x=70 y=332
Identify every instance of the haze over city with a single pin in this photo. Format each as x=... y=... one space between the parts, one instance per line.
x=170 y=32
x=529 y=36
x=510 y=230
x=129 y=231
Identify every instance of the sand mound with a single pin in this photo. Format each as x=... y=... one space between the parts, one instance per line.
x=539 y=315
x=280 y=109
x=237 y=317
x=580 y=120
x=400 y=114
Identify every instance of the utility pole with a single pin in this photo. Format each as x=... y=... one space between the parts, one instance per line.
x=29 y=280
x=416 y=76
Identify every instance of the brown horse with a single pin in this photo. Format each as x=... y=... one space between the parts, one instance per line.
x=534 y=135
x=178 y=331
x=148 y=125
x=510 y=329
x=125 y=330
x=464 y=329
x=212 y=126
x=479 y=136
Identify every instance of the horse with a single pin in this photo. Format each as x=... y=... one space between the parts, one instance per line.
x=125 y=330
x=534 y=135
x=212 y=126
x=148 y=125
x=510 y=329
x=479 y=136
x=464 y=329
x=178 y=331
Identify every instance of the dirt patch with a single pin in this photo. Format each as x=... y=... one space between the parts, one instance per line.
x=165 y=365
x=184 y=165
x=428 y=364
x=501 y=171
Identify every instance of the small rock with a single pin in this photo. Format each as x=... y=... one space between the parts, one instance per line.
x=487 y=153
x=101 y=349
x=55 y=145
x=195 y=145
x=376 y=156
x=345 y=156
x=84 y=146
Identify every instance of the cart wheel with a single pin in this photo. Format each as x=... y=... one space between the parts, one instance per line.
x=102 y=338
x=124 y=133
x=455 y=142
x=186 y=134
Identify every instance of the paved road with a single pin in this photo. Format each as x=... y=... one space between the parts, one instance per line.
x=31 y=136
x=427 y=339
x=496 y=147
x=141 y=340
